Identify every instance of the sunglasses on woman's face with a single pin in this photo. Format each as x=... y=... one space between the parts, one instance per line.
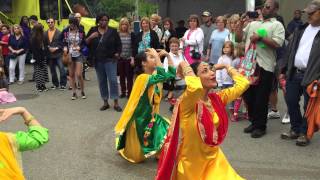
x=267 y=6
x=312 y=13
x=50 y=22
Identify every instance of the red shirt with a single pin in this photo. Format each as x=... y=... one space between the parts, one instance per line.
x=5 y=49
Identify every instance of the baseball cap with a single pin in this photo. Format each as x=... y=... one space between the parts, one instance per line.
x=312 y=7
x=206 y=13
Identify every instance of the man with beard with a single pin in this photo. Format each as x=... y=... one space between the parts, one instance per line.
x=257 y=96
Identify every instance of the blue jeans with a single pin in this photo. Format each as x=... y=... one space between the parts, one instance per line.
x=107 y=74
x=53 y=62
x=294 y=91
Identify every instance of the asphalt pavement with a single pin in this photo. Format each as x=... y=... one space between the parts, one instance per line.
x=82 y=145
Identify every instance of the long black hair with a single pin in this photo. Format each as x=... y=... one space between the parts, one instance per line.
x=100 y=16
x=37 y=35
x=22 y=23
x=73 y=20
x=140 y=57
x=195 y=66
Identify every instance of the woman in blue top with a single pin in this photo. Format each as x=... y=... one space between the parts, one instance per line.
x=217 y=39
x=17 y=46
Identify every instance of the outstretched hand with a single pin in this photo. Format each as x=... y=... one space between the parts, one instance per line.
x=220 y=66
x=7 y=113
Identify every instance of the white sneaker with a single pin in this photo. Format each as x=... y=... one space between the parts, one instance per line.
x=285 y=119
x=32 y=61
x=273 y=115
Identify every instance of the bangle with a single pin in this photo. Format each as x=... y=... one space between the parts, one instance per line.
x=213 y=68
x=28 y=120
x=230 y=68
x=187 y=70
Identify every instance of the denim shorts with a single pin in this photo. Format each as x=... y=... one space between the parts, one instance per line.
x=78 y=59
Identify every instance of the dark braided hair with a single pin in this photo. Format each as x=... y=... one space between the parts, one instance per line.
x=195 y=66
x=140 y=57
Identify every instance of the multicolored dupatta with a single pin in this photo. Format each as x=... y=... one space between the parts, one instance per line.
x=10 y=167
x=169 y=153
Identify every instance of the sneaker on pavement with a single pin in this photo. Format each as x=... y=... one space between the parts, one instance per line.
x=53 y=87
x=45 y=89
x=248 y=129
x=302 y=141
x=74 y=96
x=273 y=115
x=285 y=119
x=83 y=96
x=63 y=88
x=289 y=135
x=258 y=133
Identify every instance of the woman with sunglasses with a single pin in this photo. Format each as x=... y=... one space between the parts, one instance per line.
x=73 y=38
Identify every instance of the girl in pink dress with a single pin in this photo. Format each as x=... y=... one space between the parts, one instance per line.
x=5 y=96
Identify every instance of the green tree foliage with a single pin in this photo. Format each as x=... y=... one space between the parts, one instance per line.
x=118 y=8
x=146 y=8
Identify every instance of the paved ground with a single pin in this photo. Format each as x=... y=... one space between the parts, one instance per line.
x=81 y=143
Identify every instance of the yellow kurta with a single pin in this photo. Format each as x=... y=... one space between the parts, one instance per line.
x=197 y=160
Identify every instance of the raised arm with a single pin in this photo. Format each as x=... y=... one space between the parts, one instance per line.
x=161 y=75
x=241 y=84
x=36 y=135
x=194 y=89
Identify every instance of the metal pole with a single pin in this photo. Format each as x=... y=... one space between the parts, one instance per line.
x=250 y=5
x=137 y=9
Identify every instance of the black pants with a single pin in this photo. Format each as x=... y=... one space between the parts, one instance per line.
x=125 y=71
x=257 y=98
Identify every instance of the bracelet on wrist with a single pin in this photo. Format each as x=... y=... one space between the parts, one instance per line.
x=28 y=120
x=213 y=68
x=187 y=70
x=230 y=68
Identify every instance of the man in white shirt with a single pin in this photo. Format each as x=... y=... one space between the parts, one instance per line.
x=302 y=68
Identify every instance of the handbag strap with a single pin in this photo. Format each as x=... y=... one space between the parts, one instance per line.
x=104 y=36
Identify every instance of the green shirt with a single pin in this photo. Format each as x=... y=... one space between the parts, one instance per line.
x=266 y=57
x=35 y=137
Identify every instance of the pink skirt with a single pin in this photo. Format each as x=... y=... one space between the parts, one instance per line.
x=6 y=97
